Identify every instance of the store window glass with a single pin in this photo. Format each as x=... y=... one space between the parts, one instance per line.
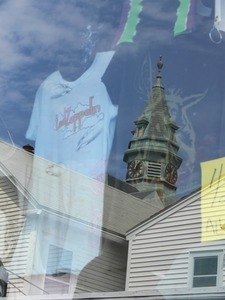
x=111 y=114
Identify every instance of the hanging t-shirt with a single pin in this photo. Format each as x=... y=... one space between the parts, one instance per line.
x=73 y=123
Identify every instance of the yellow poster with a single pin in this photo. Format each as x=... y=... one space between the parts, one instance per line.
x=213 y=200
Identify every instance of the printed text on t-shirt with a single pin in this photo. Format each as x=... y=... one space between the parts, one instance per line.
x=71 y=117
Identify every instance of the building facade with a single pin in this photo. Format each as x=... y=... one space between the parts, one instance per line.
x=39 y=246
x=168 y=250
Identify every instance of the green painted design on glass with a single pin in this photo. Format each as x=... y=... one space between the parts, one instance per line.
x=132 y=21
x=182 y=15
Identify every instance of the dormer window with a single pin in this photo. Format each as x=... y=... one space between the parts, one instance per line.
x=172 y=135
x=141 y=126
x=140 y=131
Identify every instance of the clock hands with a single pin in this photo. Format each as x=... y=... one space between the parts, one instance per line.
x=135 y=168
x=137 y=163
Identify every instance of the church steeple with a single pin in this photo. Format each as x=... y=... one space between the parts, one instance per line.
x=151 y=157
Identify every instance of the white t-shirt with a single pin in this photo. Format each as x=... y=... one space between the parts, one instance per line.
x=73 y=123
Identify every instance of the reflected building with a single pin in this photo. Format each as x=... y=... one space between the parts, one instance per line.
x=43 y=240
x=127 y=219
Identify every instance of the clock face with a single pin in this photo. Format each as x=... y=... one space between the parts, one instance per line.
x=135 y=169
x=171 y=173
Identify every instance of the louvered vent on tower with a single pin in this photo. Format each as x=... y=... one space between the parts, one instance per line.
x=154 y=169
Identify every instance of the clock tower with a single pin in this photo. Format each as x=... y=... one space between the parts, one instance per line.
x=151 y=157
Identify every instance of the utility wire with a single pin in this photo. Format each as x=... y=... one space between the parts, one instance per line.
x=17 y=288
x=27 y=281
x=11 y=152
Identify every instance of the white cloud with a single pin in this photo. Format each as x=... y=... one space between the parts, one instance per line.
x=36 y=27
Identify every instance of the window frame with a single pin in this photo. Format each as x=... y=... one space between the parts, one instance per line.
x=57 y=279
x=202 y=254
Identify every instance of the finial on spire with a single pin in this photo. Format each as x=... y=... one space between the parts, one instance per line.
x=159 y=77
x=160 y=64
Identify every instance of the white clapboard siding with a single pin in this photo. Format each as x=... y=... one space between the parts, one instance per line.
x=159 y=251
x=14 y=239
x=107 y=272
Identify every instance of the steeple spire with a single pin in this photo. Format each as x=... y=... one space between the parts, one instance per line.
x=152 y=153
x=156 y=111
x=158 y=82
